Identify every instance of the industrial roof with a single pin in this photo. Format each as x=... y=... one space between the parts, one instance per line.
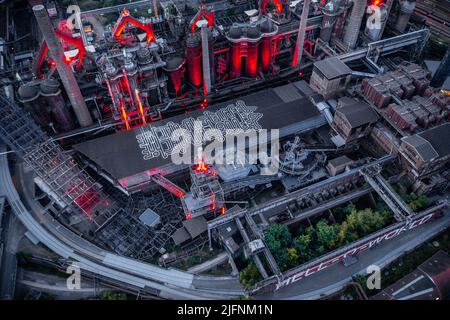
x=332 y=68
x=438 y=138
x=122 y=155
x=180 y=236
x=339 y=161
x=195 y=226
x=356 y=112
x=430 y=281
x=431 y=143
x=149 y=217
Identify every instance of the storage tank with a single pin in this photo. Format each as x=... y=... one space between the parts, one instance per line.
x=50 y=89
x=194 y=59
x=330 y=12
x=251 y=62
x=29 y=95
x=269 y=29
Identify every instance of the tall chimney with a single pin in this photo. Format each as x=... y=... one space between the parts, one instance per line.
x=301 y=34
x=67 y=78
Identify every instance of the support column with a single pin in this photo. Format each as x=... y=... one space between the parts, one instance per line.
x=67 y=78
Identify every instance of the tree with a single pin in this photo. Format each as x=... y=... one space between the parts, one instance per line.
x=293 y=258
x=326 y=234
x=249 y=276
x=345 y=235
x=303 y=246
x=277 y=237
x=110 y=295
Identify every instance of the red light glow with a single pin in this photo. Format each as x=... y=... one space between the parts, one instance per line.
x=141 y=108
x=188 y=215
x=201 y=167
x=377 y=2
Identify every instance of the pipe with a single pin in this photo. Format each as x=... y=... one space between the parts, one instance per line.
x=301 y=34
x=206 y=60
x=65 y=73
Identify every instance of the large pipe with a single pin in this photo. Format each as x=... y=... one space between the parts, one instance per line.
x=301 y=34
x=68 y=79
x=354 y=23
x=206 y=59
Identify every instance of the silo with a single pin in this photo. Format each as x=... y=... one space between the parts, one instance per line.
x=251 y=63
x=330 y=12
x=269 y=29
x=194 y=59
x=29 y=95
x=50 y=90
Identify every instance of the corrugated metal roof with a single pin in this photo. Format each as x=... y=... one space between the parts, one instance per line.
x=332 y=68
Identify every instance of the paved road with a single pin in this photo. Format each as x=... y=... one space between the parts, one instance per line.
x=207 y=265
x=336 y=277
x=55 y=285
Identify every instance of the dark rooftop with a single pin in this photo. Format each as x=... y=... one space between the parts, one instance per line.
x=148 y=149
x=438 y=138
x=332 y=68
x=356 y=112
x=430 y=281
x=430 y=143
x=195 y=226
x=180 y=236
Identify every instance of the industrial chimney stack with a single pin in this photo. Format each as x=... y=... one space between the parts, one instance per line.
x=68 y=79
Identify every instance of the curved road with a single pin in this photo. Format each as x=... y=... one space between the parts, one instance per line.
x=172 y=283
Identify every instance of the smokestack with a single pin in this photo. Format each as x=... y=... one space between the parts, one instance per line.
x=68 y=79
x=354 y=23
x=206 y=59
x=301 y=34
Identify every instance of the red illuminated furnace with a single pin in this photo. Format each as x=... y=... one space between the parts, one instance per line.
x=251 y=45
x=194 y=58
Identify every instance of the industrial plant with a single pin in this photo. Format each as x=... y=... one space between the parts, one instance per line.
x=223 y=149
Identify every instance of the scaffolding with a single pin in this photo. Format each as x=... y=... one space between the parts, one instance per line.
x=58 y=170
x=127 y=235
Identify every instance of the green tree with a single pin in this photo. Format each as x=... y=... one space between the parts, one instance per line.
x=303 y=245
x=345 y=235
x=110 y=295
x=249 y=276
x=278 y=239
x=293 y=258
x=278 y=236
x=326 y=234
